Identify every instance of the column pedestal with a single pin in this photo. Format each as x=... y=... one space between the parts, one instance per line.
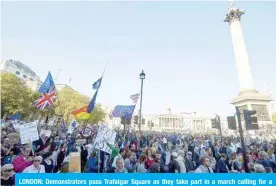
x=253 y=100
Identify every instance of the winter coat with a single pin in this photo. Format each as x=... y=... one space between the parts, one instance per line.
x=221 y=166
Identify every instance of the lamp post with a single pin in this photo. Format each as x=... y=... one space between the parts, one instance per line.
x=142 y=77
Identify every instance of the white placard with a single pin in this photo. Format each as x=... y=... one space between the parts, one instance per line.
x=46 y=132
x=16 y=125
x=51 y=123
x=104 y=135
x=28 y=132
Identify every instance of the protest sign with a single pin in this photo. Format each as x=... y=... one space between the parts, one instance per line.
x=87 y=132
x=16 y=125
x=46 y=132
x=104 y=135
x=75 y=164
x=14 y=138
x=28 y=132
x=51 y=123
x=80 y=141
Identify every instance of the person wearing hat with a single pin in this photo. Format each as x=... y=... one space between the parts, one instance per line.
x=7 y=175
x=36 y=167
x=174 y=165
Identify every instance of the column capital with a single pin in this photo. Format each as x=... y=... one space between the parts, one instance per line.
x=233 y=15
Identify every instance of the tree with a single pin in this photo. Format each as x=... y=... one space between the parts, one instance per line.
x=16 y=97
x=274 y=118
x=98 y=115
x=69 y=100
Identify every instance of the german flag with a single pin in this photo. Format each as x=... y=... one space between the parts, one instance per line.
x=78 y=111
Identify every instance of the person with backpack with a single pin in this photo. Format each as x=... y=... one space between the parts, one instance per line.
x=174 y=165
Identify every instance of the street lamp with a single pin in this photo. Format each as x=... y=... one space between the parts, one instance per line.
x=142 y=77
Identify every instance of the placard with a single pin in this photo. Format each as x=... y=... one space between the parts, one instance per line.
x=46 y=132
x=104 y=135
x=14 y=138
x=75 y=162
x=28 y=132
x=16 y=125
x=87 y=132
x=80 y=141
x=51 y=123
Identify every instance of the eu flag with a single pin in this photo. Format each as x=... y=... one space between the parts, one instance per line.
x=74 y=124
x=124 y=111
x=16 y=116
x=92 y=103
x=97 y=84
x=47 y=84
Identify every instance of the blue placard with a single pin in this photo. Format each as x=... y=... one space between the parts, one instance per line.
x=68 y=179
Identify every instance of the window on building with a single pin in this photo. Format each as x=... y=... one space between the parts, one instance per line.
x=24 y=76
x=17 y=73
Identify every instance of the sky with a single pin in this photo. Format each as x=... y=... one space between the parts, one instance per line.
x=184 y=48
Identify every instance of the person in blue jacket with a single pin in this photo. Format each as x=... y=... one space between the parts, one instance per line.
x=92 y=163
x=221 y=166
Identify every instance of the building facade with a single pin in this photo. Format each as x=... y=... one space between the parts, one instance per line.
x=182 y=122
x=22 y=71
x=168 y=122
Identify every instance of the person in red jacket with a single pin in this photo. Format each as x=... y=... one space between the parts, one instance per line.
x=150 y=160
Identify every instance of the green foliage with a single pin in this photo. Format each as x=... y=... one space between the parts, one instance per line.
x=68 y=101
x=98 y=115
x=16 y=96
x=274 y=118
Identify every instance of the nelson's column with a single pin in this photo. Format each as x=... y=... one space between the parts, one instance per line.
x=248 y=98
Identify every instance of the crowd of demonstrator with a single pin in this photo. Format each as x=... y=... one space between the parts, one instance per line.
x=138 y=152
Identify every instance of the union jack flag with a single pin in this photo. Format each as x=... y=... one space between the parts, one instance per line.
x=134 y=98
x=46 y=99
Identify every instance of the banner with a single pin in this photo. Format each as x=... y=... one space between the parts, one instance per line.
x=28 y=132
x=75 y=164
x=146 y=179
x=104 y=135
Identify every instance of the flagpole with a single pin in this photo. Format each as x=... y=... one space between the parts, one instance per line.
x=99 y=87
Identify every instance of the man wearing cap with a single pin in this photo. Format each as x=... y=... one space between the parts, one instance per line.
x=36 y=167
